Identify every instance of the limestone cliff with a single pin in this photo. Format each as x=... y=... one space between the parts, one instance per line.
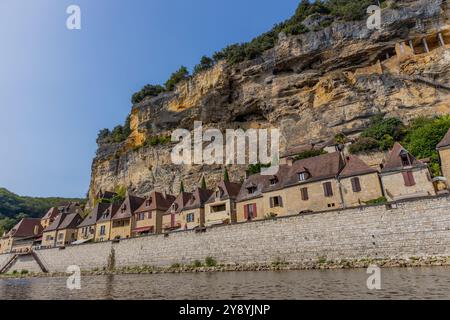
x=326 y=82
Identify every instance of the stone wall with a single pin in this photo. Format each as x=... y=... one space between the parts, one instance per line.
x=419 y=228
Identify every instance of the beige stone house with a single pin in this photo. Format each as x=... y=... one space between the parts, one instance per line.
x=443 y=149
x=147 y=219
x=250 y=200
x=403 y=176
x=22 y=236
x=87 y=228
x=103 y=225
x=49 y=217
x=312 y=185
x=171 y=219
x=359 y=183
x=63 y=230
x=221 y=206
x=121 y=221
x=192 y=215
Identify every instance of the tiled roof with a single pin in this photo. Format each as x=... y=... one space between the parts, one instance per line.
x=198 y=198
x=317 y=168
x=94 y=215
x=26 y=228
x=355 y=166
x=229 y=190
x=128 y=207
x=108 y=213
x=180 y=202
x=394 y=160
x=52 y=213
x=445 y=141
x=156 y=201
x=71 y=221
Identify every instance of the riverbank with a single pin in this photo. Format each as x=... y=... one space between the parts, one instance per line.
x=211 y=266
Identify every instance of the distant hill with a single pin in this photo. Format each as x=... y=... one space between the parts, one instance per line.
x=14 y=207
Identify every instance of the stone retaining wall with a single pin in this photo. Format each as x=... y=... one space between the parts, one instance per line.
x=419 y=228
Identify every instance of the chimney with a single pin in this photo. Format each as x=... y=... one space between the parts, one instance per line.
x=290 y=161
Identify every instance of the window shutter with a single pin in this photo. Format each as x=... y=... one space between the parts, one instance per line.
x=255 y=214
x=305 y=196
x=281 y=201
x=356 y=185
x=246 y=212
x=411 y=178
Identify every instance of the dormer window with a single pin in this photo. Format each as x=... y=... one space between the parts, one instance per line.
x=273 y=181
x=406 y=161
x=219 y=193
x=251 y=190
x=302 y=176
x=124 y=208
x=174 y=207
x=148 y=202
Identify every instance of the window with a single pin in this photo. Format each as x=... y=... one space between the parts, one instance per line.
x=190 y=217
x=328 y=189
x=103 y=230
x=148 y=202
x=60 y=236
x=405 y=159
x=174 y=207
x=124 y=208
x=140 y=216
x=276 y=202
x=150 y=215
x=273 y=181
x=250 y=211
x=408 y=177
x=251 y=190
x=302 y=176
x=305 y=195
x=356 y=185
x=48 y=238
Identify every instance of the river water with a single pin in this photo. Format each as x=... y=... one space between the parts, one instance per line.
x=414 y=283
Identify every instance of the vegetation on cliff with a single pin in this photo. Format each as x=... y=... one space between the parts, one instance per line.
x=309 y=16
x=420 y=137
x=14 y=207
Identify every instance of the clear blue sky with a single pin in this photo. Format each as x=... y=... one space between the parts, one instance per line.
x=58 y=88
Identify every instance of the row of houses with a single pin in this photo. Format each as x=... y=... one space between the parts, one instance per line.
x=326 y=182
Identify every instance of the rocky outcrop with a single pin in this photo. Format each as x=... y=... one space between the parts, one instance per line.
x=312 y=86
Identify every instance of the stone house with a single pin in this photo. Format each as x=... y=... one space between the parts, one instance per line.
x=192 y=215
x=359 y=182
x=403 y=176
x=87 y=228
x=49 y=217
x=147 y=219
x=171 y=219
x=63 y=230
x=443 y=149
x=221 y=206
x=250 y=200
x=103 y=225
x=122 y=220
x=22 y=236
x=312 y=184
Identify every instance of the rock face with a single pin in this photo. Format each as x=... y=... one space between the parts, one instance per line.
x=325 y=82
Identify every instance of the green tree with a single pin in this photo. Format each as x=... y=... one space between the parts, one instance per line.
x=309 y=154
x=148 y=90
x=181 y=187
x=176 y=77
x=226 y=176
x=205 y=64
x=203 y=183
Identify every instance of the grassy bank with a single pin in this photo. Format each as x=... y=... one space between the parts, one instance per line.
x=320 y=264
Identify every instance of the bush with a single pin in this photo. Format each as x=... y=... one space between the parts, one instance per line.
x=205 y=64
x=363 y=145
x=380 y=127
x=176 y=77
x=256 y=168
x=197 y=264
x=147 y=91
x=175 y=266
x=159 y=140
x=210 y=262
x=309 y=154
x=24 y=272
x=381 y=200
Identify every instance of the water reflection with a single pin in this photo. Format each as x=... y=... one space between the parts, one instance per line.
x=419 y=283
